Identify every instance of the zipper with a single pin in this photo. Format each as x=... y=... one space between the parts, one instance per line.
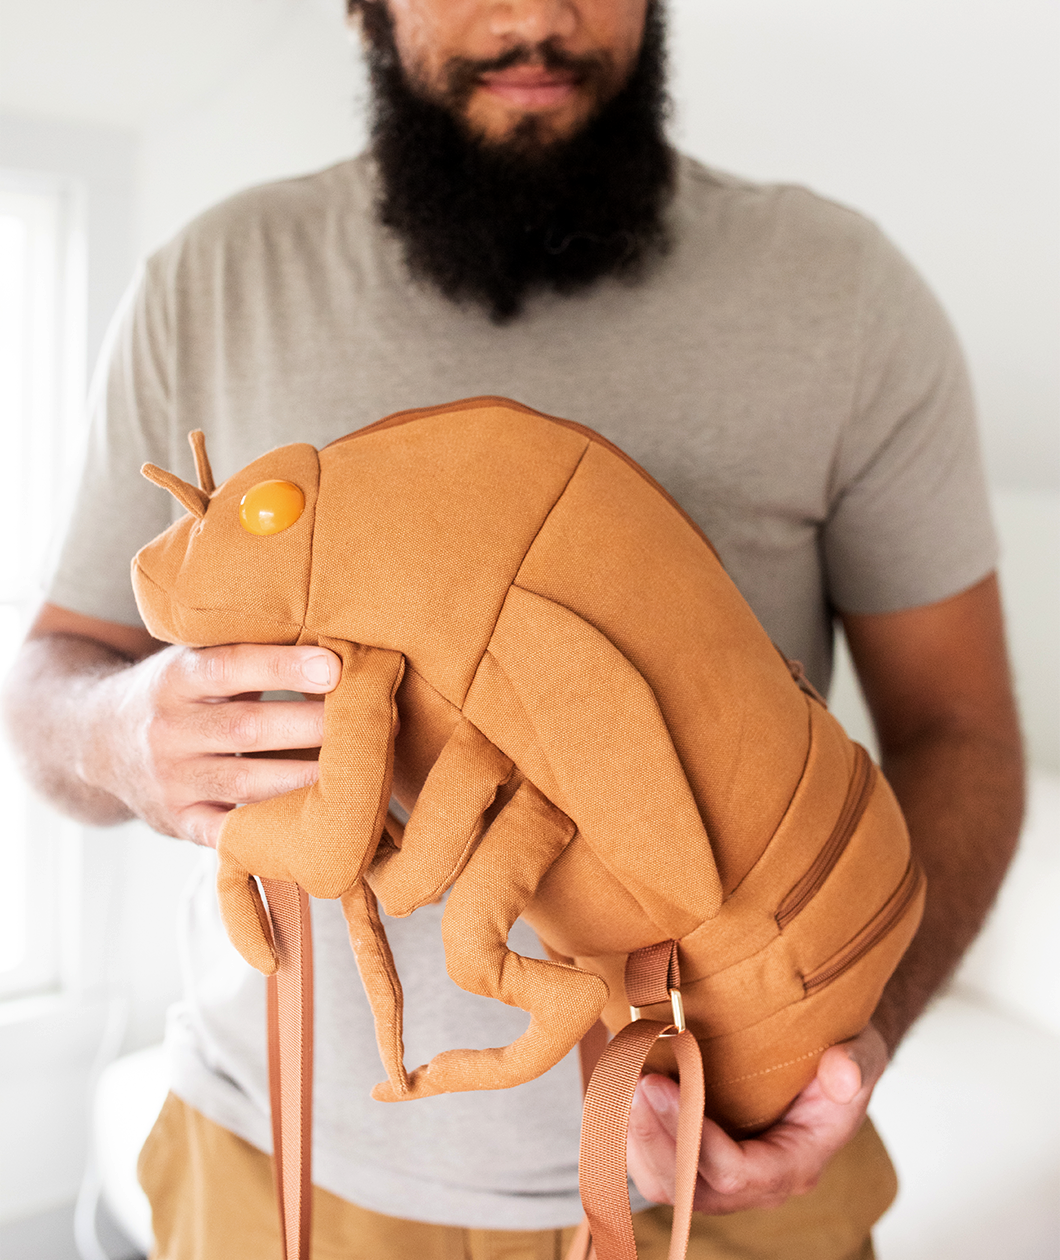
x=858 y=793
x=871 y=934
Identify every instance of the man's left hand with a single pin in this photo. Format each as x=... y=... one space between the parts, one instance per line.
x=763 y=1171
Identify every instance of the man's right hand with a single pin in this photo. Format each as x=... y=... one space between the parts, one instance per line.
x=110 y=723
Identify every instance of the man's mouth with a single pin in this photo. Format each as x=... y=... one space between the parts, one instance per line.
x=531 y=87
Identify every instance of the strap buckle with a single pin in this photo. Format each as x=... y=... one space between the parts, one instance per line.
x=678 y=1008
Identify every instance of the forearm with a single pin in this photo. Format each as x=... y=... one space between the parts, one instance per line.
x=962 y=795
x=54 y=705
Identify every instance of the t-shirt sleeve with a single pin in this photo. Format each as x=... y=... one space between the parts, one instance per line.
x=115 y=509
x=909 y=522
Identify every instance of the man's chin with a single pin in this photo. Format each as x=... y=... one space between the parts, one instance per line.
x=494 y=203
x=500 y=122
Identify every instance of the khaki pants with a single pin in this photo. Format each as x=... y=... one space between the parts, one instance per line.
x=212 y=1198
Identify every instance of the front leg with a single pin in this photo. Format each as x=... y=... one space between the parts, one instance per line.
x=321 y=837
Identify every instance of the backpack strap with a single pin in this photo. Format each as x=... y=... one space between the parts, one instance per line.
x=290 y=1025
x=651 y=977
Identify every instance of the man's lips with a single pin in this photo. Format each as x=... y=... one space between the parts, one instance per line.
x=531 y=87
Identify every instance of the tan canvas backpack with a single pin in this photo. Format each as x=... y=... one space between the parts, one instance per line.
x=545 y=662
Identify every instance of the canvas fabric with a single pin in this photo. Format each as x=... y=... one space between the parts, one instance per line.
x=595 y=734
x=782 y=372
x=213 y=1195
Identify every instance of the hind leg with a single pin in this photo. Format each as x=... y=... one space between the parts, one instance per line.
x=500 y=878
x=379 y=977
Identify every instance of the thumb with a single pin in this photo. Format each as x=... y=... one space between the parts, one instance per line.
x=847 y=1069
x=839 y=1075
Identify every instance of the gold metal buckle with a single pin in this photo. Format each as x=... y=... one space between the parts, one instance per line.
x=678 y=1008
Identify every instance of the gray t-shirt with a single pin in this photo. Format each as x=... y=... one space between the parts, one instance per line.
x=783 y=372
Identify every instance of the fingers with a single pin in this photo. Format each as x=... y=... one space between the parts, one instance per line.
x=223 y=672
x=246 y=726
x=201 y=823
x=839 y=1076
x=193 y=804
x=764 y=1171
x=177 y=721
x=651 y=1146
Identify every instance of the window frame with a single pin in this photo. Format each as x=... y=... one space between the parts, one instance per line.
x=46 y=854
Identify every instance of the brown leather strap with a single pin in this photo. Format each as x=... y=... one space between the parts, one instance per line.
x=651 y=974
x=290 y=1023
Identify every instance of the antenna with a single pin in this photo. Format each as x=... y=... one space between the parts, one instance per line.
x=202 y=461
x=195 y=499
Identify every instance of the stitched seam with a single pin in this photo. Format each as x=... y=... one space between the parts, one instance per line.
x=207 y=608
x=495 y=400
x=396 y=995
x=393 y=982
x=312 y=541
x=518 y=569
x=532 y=727
x=473 y=843
x=651 y=691
x=735 y=1080
x=787 y=808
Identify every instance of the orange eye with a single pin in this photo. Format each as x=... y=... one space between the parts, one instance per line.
x=270 y=507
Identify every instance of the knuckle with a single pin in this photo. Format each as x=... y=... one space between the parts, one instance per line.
x=239 y=726
x=155 y=742
x=778 y=1190
x=728 y=1183
x=241 y=784
x=284 y=663
x=214 y=665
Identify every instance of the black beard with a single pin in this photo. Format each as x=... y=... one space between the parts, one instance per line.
x=490 y=222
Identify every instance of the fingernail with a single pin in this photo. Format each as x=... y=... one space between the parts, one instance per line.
x=317 y=669
x=655 y=1094
x=640 y=1099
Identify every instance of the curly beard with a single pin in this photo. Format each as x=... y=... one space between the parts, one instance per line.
x=489 y=222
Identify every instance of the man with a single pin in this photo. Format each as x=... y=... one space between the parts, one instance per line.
x=522 y=228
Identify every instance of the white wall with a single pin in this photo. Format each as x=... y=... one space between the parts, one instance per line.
x=940 y=119
x=297 y=105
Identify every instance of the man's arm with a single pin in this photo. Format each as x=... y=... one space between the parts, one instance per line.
x=110 y=724
x=937 y=683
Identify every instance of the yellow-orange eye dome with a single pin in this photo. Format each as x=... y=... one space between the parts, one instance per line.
x=270 y=507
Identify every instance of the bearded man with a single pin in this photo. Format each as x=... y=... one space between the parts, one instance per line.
x=520 y=226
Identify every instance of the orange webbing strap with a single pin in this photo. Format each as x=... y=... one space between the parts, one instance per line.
x=590 y=1048
x=651 y=977
x=290 y=1022
x=602 y=1161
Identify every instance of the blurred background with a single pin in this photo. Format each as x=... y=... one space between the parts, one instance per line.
x=120 y=119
